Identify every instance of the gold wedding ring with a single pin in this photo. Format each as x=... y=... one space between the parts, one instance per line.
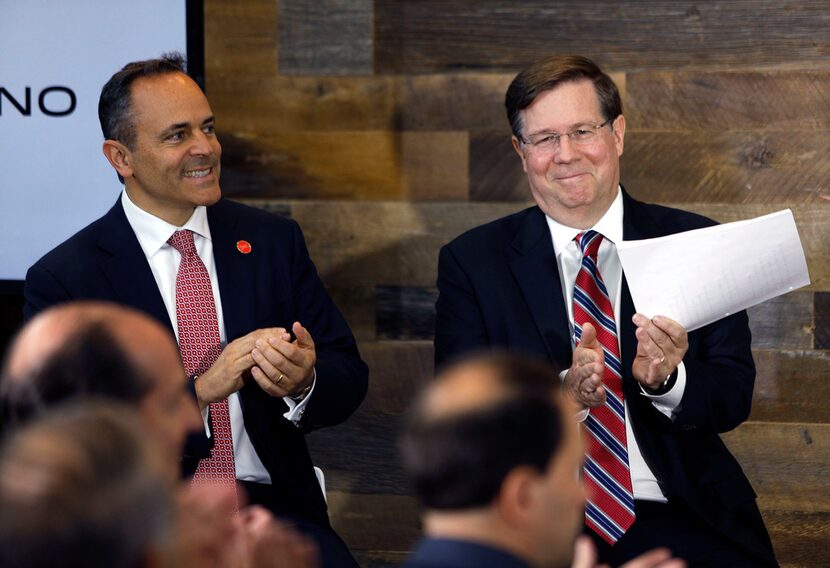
x=279 y=380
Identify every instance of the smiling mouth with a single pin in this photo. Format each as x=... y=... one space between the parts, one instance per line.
x=569 y=176
x=197 y=173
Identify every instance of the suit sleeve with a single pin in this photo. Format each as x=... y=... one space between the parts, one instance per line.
x=720 y=376
x=459 y=323
x=342 y=377
x=41 y=290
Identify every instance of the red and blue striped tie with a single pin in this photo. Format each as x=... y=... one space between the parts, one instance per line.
x=610 y=508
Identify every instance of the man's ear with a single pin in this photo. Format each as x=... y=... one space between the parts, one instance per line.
x=619 y=134
x=518 y=147
x=119 y=156
x=517 y=495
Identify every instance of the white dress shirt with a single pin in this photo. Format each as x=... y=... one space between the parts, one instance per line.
x=569 y=261
x=152 y=233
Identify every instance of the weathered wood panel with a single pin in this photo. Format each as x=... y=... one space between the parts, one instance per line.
x=791 y=386
x=375 y=522
x=427 y=36
x=267 y=102
x=761 y=166
x=801 y=540
x=788 y=464
x=822 y=320
x=785 y=322
x=240 y=40
x=349 y=165
x=344 y=49
x=775 y=99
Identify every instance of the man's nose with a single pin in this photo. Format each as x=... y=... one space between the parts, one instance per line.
x=202 y=144
x=565 y=151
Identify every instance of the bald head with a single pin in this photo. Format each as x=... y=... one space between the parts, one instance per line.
x=84 y=350
x=457 y=432
x=48 y=334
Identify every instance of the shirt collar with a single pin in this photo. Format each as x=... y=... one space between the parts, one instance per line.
x=610 y=226
x=153 y=232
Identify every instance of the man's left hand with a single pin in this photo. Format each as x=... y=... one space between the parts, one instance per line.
x=661 y=345
x=285 y=367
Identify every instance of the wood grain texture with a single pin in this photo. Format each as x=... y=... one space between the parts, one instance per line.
x=350 y=165
x=405 y=312
x=795 y=101
x=791 y=386
x=385 y=243
x=426 y=36
x=788 y=464
x=399 y=370
x=785 y=322
x=822 y=320
x=801 y=540
x=240 y=40
x=387 y=523
x=721 y=166
x=344 y=49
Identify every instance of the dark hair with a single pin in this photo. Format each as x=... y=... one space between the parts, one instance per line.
x=90 y=365
x=548 y=73
x=96 y=495
x=115 y=103
x=460 y=461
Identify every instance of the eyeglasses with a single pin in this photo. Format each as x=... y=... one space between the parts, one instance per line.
x=583 y=135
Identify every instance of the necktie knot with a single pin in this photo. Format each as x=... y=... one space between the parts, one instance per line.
x=182 y=241
x=589 y=242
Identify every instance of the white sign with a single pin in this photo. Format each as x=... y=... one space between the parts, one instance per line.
x=54 y=58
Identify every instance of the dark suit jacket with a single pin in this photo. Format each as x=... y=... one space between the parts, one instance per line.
x=499 y=287
x=448 y=553
x=275 y=285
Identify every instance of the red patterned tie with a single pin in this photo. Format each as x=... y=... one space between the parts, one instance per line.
x=200 y=346
x=610 y=508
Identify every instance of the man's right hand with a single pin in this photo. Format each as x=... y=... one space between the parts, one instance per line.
x=226 y=375
x=583 y=381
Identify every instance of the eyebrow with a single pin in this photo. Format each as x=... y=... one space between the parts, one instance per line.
x=571 y=127
x=182 y=125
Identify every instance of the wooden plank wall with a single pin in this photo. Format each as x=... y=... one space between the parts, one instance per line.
x=378 y=125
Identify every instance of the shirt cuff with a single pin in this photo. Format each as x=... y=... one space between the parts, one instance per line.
x=667 y=403
x=206 y=420
x=296 y=409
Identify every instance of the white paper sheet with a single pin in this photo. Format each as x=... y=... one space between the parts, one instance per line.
x=700 y=276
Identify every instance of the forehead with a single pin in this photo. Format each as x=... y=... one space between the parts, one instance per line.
x=168 y=99
x=566 y=105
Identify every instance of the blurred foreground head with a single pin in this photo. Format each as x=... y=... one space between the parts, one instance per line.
x=97 y=350
x=494 y=455
x=83 y=488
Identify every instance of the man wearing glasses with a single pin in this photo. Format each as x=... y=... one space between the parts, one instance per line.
x=547 y=282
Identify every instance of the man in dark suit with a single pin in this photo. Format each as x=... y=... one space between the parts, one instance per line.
x=510 y=284
x=492 y=453
x=288 y=362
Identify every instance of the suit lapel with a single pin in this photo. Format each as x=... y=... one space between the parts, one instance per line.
x=125 y=266
x=537 y=275
x=234 y=271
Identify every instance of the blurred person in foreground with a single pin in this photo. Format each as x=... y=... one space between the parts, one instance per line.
x=493 y=454
x=99 y=352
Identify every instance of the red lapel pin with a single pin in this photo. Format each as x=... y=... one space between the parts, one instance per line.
x=243 y=246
